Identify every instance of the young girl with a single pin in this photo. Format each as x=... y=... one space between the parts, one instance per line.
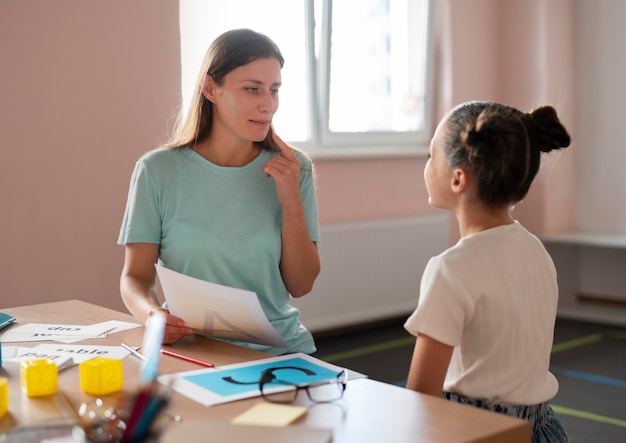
x=226 y=200
x=487 y=308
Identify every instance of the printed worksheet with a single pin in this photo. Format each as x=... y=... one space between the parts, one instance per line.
x=216 y=310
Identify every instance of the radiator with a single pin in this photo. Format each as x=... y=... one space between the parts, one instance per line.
x=371 y=269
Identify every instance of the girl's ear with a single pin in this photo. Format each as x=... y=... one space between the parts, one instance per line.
x=460 y=180
x=208 y=88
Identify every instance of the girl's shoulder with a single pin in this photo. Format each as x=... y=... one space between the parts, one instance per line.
x=492 y=242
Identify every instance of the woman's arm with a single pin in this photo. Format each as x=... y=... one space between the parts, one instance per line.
x=300 y=261
x=429 y=365
x=138 y=289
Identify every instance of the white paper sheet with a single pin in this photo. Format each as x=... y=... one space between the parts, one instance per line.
x=118 y=325
x=58 y=332
x=64 y=333
x=217 y=310
x=8 y=352
x=59 y=352
x=113 y=326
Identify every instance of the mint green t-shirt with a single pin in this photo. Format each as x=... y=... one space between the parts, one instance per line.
x=220 y=224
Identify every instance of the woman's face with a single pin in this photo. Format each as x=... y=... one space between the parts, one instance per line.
x=245 y=103
x=437 y=173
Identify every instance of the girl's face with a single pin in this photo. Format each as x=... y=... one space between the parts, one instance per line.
x=437 y=174
x=245 y=103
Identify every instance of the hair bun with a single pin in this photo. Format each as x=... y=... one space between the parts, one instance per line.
x=551 y=134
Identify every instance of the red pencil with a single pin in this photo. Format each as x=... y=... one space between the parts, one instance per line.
x=208 y=364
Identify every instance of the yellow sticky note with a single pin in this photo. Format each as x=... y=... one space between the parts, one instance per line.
x=270 y=414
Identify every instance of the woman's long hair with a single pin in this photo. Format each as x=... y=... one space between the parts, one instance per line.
x=229 y=51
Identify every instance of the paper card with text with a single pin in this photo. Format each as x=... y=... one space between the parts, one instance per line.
x=60 y=352
x=44 y=331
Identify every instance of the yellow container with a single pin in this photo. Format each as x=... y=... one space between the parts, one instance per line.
x=4 y=396
x=101 y=376
x=39 y=377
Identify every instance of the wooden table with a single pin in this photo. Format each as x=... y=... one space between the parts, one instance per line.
x=370 y=411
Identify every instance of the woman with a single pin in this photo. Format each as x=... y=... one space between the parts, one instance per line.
x=226 y=200
x=485 y=318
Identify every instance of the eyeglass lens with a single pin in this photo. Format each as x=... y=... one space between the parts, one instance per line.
x=324 y=392
x=281 y=391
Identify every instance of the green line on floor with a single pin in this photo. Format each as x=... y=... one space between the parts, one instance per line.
x=588 y=416
x=384 y=346
x=617 y=334
x=576 y=342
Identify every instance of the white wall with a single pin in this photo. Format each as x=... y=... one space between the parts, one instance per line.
x=600 y=120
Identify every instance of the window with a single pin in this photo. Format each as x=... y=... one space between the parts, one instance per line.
x=356 y=73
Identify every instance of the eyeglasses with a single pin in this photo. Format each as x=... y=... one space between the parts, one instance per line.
x=276 y=390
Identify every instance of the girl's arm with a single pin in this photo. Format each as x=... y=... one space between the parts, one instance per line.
x=429 y=365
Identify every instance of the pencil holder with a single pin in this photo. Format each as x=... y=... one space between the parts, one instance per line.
x=101 y=376
x=4 y=396
x=39 y=377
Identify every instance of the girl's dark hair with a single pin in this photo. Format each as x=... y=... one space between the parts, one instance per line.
x=230 y=50
x=501 y=146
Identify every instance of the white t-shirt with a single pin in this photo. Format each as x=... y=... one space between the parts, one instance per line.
x=493 y=297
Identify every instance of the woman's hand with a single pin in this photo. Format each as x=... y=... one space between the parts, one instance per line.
x=138 y=289
x=175 y=328
x=285 y=170
x=300 y=261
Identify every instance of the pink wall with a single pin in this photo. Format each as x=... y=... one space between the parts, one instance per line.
x=88 y=86
x=537 y=50
x=370 y=188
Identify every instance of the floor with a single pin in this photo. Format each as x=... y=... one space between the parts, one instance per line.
x=588 y=359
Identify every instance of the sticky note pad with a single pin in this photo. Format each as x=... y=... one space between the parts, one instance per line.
x=270 y=414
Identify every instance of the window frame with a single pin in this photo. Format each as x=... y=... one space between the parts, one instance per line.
x=325 y=143
x=320 y=140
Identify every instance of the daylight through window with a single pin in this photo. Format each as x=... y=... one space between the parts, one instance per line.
x=356 y=73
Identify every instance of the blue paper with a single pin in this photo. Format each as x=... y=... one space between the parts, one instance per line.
x=214 y=381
